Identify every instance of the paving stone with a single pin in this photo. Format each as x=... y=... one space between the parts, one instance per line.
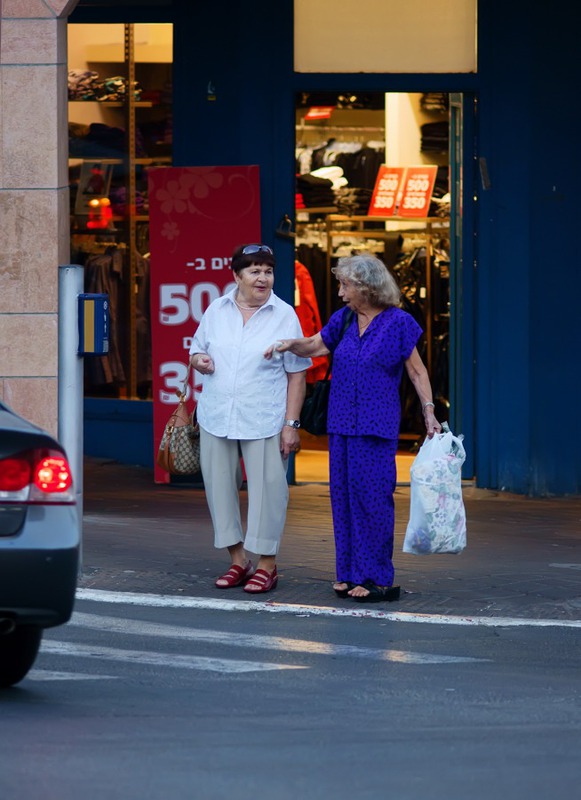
x=523 y=556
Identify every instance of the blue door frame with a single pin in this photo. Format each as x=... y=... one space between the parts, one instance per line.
x=462 y=262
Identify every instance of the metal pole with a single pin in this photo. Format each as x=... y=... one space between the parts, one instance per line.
x=131 y=204
x=70 y=382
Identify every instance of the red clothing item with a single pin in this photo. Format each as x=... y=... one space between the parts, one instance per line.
x=307 y=310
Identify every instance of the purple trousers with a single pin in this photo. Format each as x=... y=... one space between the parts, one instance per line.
x=362 y=479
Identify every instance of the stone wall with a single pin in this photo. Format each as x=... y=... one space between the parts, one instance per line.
x=34 y=201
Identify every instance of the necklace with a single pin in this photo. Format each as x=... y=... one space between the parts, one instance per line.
x=246 y=308
x=363 y=327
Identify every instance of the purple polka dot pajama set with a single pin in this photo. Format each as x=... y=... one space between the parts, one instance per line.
x=363 y=427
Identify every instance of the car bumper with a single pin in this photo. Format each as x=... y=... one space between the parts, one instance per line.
x=38 y=586
x=39 y=567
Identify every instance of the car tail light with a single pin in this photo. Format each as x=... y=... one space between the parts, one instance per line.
x=14 y=474
x=36 y=476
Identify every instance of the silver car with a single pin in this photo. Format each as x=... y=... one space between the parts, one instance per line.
x=39 y=541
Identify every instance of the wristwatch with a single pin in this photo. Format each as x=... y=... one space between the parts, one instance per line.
x=293 y=423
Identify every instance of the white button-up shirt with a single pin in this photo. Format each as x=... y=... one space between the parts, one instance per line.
x=245 y=397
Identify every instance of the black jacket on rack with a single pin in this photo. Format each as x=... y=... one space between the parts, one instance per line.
x=361 y=168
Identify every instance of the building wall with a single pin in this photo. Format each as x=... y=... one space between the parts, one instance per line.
x=247 y=60
x=528 y=276
x=33 y=202
x=523 y=425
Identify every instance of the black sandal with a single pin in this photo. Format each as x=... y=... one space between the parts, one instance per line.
x=343 y=592
x=377 y=594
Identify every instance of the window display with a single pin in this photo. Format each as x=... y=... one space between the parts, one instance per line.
x=338 y=158
x=120 y=127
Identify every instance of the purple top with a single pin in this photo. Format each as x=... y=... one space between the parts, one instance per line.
x=367 y=370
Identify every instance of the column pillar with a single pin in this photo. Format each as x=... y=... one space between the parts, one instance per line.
x=34 y=201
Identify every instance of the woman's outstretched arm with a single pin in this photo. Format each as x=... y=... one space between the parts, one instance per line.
x=305 y=347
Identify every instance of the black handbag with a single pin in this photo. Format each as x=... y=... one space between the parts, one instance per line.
x=314 y=410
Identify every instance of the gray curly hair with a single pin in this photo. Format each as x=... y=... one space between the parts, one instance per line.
x=370 y=277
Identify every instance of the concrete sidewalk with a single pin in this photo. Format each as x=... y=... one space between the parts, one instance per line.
x=523 y=557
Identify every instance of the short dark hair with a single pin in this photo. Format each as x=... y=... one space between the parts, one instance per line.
x=241 y=260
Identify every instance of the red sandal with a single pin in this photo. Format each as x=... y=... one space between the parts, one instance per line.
x=261 y=581
x=234 y=577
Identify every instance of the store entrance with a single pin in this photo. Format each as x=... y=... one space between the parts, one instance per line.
x=341 y=142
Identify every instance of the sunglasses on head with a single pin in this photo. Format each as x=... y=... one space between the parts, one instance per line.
x=256 y=248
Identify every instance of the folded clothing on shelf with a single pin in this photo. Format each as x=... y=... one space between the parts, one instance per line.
x=353 y=201
x=316 y=191
x=84 y=84
x=333 y=174
x=98 y=140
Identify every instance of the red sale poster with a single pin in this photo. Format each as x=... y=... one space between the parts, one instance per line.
x=417 y=191
x=403 y=191
x=387 y=187
x=197 y=217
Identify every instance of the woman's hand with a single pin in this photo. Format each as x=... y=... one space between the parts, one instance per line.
x=203 y=363
x=306 y=348
x=290 y=441
x=277 y=347
x=432 y=424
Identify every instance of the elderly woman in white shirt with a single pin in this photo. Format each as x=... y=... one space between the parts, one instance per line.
x=248 y=406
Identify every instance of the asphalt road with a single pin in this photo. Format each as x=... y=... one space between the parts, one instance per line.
x=129 y=702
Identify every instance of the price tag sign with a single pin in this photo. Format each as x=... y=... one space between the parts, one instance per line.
x=197 y=216
x=403 y=191
x=417 y=191
x=387 y=188
x=319 y=112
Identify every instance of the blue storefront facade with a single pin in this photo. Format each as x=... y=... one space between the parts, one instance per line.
x=514 y=332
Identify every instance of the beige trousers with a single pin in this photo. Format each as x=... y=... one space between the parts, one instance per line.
x=268 y=491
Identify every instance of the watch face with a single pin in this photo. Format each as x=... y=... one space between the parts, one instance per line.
x=294 y=423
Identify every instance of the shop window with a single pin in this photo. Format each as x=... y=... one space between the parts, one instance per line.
x=120 y=128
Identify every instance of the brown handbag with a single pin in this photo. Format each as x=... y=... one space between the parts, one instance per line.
x=179 y=449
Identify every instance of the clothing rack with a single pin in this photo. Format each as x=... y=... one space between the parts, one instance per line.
x=98 y=248
x=356 y=134
x=341 y=128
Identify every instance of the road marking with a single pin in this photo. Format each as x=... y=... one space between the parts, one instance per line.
x=48 y=675
x=566 y=566
x=172 y=601
x=279 y=643
x=123 y=522
x=160 y=659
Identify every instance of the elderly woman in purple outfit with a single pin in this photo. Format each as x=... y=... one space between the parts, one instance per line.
x=369 y=356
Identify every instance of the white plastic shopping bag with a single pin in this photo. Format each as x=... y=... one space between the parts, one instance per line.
x=437 y=521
